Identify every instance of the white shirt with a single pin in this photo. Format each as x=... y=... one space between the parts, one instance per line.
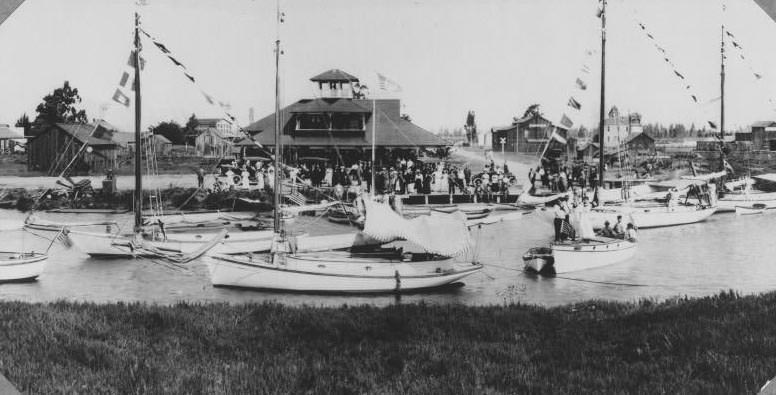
x=559 y=212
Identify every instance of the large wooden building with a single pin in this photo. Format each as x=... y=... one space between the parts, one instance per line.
x=529 y=134
x=337 y=126
x=52 y=147
x=762 y=136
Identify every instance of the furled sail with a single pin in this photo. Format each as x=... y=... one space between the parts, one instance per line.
x=443 y=234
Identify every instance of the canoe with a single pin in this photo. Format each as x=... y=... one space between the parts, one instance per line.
x=21 y=266
x=564 y=257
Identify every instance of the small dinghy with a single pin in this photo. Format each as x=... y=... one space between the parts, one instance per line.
x=21 y=266
x=572 y=256
x=757 y=208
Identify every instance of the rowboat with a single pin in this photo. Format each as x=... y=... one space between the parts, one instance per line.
x=564 y=257
x=338 y=272
x=730 y=201
x=757 y=208
x=21 y=266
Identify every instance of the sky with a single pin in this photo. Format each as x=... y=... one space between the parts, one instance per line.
x=495 y=57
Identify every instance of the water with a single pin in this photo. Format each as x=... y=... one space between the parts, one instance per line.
x=725 y=252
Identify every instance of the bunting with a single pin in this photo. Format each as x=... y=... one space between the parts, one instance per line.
x=667 y=59
x=573 y=103
x=225 y=107
x=127 y=81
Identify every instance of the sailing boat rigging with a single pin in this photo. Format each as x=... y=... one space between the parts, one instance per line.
x=374 y=271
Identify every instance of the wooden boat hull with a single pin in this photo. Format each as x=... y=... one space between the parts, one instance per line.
x=730 y=202
x=757 y=208
x=104 y=245
x=331 y=274
x=576 y=256
x=651 y=217
x=19 y=267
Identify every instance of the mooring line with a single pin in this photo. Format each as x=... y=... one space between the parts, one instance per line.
x=573 y=278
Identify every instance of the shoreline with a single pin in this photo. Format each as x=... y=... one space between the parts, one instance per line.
x=678 y=345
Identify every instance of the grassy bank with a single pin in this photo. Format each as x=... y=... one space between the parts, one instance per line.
x=720 y=344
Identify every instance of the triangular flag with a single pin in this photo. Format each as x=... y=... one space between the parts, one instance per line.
x=581 y=84
x=574 y=104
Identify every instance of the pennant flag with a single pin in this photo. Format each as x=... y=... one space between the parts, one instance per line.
x=729 y=34
x=121 y=98
x=131 y=61
x=642 y=26
x=208 y=97
x=678 y=75
x=599 y=13
x=189 y=76
x=758 y=76
x=574 y=104
x=585 y=69
x=161 y=47
x=695 y=99
x=177 y=63
x=650 y=36
x=386 y=84
x=566 y=121
x=712 y=124
x=581 y=84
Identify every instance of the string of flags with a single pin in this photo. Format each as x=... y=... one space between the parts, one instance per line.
x=740 y=49
x=580 y=85
x=127 y=81
x=166 y=52
x=668 y=61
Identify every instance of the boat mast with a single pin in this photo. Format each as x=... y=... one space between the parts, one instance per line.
x=603 y=90
x=278 y=149
x=138 y=175
x=722 y=87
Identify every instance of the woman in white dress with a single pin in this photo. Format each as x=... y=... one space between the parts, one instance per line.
x=245 y=175
x=328 y=177
x=260 y=178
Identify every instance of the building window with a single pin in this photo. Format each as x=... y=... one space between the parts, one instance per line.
x=313 y=122
x=347 y=122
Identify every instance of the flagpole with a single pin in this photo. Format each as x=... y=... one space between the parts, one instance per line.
x=278 y=134
x=374 y=123
x=722 y=86
x=603 y=91
x=138 y=206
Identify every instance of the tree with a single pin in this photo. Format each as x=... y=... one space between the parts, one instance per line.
x=171 y=130
x=58 y=107
x=532 y=110
x=190 y=130
x=23 y=121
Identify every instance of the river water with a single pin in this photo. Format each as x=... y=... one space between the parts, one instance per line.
x=725 y=252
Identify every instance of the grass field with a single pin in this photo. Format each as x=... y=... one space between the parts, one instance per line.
x=720 y=344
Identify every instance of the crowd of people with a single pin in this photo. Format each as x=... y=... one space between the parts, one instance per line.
x=561 y=178
x=402 y=177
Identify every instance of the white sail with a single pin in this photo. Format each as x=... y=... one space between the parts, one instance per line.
x=386 y=225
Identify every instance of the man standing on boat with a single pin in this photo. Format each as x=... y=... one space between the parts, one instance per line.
x=619 y=227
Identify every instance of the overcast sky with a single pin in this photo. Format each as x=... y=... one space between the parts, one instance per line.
x=492 y=56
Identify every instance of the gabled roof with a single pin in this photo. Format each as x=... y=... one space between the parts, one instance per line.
x=636 y=135
x=334 y=75
x=211 y=121
x=762 y=124
x=84 y=134
x=327 y=105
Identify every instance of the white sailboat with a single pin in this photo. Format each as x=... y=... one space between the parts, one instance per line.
x=286 y=269
x=21 y=266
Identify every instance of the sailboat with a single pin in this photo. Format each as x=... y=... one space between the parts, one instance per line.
x=115 y=245
x=644 y=217
x=372 y=271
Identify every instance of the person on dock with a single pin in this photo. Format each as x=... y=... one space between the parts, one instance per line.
x=201 y=177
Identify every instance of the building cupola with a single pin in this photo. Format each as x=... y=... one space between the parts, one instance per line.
x=334 y=83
